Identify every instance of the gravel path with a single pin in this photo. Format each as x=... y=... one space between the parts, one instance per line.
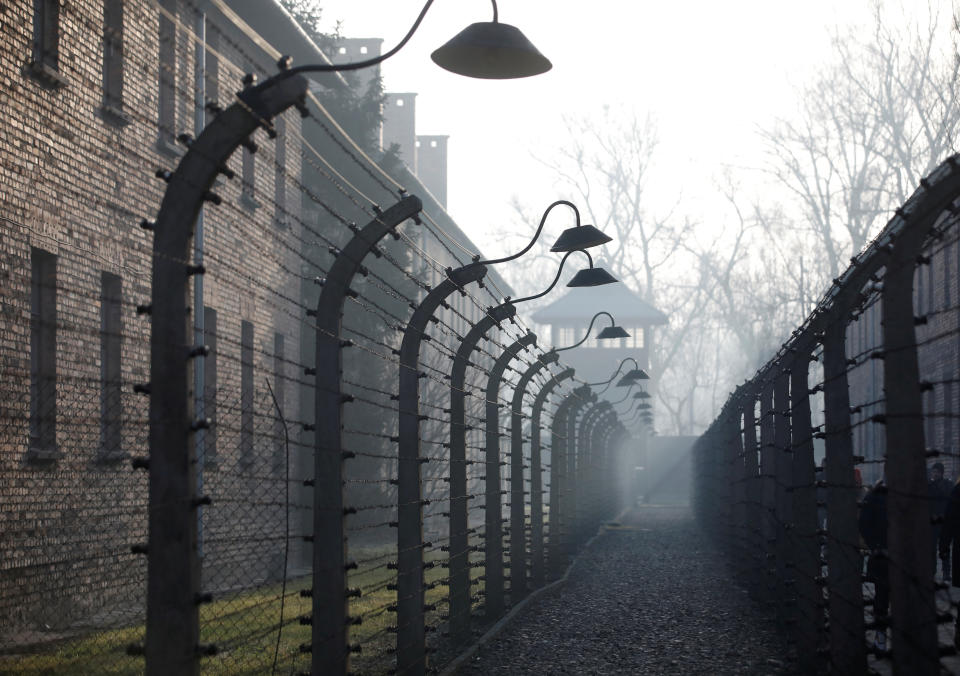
x=652 y=597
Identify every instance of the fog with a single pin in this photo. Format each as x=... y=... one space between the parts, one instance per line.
x=737 y=154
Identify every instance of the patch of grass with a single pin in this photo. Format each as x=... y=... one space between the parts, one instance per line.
x=244 y=625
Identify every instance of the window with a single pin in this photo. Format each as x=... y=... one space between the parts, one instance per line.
x=209 y=449
x=279 y=174
x=248 y=174
x=919 y=295
x=166 y=113
x=637 y=338
x=111 y=408
x=279 y=380
x=113 y=59
x=566 y=337
x=400 y=103
x=364 y=50
x=946 y=276
x=211 y=70
x=246 y=393
x=248 y=178
x=45 y=61
x=43 y=356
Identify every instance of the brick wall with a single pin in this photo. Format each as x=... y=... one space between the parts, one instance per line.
x=76 y=183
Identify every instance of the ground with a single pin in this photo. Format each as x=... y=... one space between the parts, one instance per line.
x=651 y=596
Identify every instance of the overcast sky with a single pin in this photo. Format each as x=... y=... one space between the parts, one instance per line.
x=709 y=72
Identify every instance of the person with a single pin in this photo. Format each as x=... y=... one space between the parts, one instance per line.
x=949 y=543
x=872 y=523
x=938 y=492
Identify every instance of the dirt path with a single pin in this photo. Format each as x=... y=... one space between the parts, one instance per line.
x=650 y=597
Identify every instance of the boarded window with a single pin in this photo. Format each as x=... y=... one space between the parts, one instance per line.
x=167 y=81
x=246 y=393
x=43 y=355
x=46 y=34
x=111 y=411
x=113 y=56
x=279 y=175
x=211 y=70
x=279 y=387
x=248 y=177
x=209 y=449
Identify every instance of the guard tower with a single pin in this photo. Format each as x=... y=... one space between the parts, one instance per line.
x=569 y=316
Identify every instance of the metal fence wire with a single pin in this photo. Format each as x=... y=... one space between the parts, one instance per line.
x=815 y=474
x=208 y=458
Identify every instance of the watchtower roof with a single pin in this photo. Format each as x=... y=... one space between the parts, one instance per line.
x=580 y=304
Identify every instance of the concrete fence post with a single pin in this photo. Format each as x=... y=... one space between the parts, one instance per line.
x=411 y=633
x=173 y=566
x=493 y=550
x=845 y=604
x=459 y=559
x=329 y=648
x=913 y=618
x=537 y=562
x=785 y=574
x=518 y=529
x=806 y=542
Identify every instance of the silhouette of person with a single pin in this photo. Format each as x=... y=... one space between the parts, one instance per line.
x=873 y=529
x=949 y=544
x=938 y=492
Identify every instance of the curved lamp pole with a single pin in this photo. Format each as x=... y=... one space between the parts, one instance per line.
x=493 y=549
x=518 y=544
x=537 y=573
x=558 y=476
x=491 y=50
x=459 y=526
x=608 y=381
x=588 y=465
x=518 y=553
x=329 y=631
x=173 y=566
x=411 y=644
x=493 y=561
x=488 y=50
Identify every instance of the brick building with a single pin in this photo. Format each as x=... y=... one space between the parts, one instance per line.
x=95 y=96
x=935 y=295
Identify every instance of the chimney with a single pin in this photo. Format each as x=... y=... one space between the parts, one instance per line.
x=432 y=165
x=399 y=126
x=348 y=50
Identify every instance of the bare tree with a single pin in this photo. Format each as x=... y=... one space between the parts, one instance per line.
x=873 y=121
x=604 y=165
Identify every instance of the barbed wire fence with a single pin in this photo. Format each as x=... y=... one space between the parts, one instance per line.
x=867 y=384
x=198 y=538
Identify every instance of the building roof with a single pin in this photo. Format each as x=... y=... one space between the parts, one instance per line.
x=270 y=26
x=580 y=304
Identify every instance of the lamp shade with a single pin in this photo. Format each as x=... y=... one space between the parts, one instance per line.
x=579 y=237
x=642 y=395
x=632 y=376
x=644 y=407
x=492 y=51
x=612 y=332
x=592 y=277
